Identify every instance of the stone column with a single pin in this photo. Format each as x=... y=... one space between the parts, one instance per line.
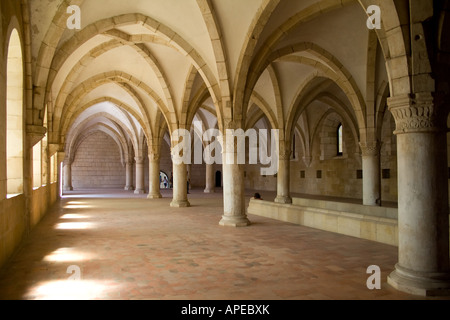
x=129 y=175
x=179 y=186
x=233 y=187
x=140 y=182
x=423 y=213
x=283 y=176
x=210 y=183
x=371 y=173
x=67 y=176
x=155 y=184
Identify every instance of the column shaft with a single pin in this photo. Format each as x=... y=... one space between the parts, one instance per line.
x=284 y=178
x=140 y=188
x=233 y=188
x=67 y=177
x=129 y=175
x=210 y=183
x=423 y=213
x=179 y=186
x=371 y=174
x=155 y=184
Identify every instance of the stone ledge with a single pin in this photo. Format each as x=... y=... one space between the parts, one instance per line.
x=347 y=222
x=365 y=222
x=373 y=211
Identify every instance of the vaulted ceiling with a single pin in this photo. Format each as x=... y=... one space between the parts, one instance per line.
x=142 y=68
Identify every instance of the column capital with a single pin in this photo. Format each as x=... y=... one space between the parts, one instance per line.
x=154 y=156
x=414 y=113
x=229 y=143
x=370 y=148
x=232 y=124
x=139 y=160
x=284 y=152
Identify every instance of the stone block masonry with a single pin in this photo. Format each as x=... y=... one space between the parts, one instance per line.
x=98 y=164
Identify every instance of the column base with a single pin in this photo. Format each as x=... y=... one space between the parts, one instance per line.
x=128 y=188
x=180 y=204
x=209 y=191
x=154 y=196
x=139 y=191
x=372 y=203
x=283 y=200
x=234 y=221
x=420 y=283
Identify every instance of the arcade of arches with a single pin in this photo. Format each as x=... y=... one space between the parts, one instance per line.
x=361 y=115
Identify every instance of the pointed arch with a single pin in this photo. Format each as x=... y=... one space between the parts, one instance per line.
x=15 y=140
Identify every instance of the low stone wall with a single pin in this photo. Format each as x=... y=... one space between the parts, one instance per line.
x=13 y=222
x=43 y=198
x=371 y=223
x=12 y=225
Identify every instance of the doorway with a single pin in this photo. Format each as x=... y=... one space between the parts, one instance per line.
x=164 y=180
x=218 y=179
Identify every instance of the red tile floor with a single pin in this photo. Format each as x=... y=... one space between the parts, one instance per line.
x=119 y=246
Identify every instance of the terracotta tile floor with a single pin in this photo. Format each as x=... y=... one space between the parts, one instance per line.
x=124 y=246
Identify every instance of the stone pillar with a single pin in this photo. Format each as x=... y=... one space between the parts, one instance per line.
x=210 y=183
x=233 y=187
x=423 y=213
x=179 y=186
x=67 y=176
x=155 y=184
x=283 y=176
x=371 y=173
x=129 y=175
x=140 y=182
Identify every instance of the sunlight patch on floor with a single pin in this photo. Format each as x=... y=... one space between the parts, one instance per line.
x=74 y=216
x=68 y=255
x=72 y=290
x=75 y=226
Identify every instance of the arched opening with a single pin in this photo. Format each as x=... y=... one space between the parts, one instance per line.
x=14 y=112
x=164 y=180
x=218 y=179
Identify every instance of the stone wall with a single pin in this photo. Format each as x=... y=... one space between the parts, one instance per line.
x=328 y=174
x=12 y=225
x=97 y=164
x=18 y=213
x=43 y=198
x=166 y=159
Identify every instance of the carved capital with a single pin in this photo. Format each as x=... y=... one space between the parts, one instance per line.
x=284 y=151
x=154 y=157
x=68 y=160
x=415 y=113
x=370 y=149
x=232 y=124
x=139 y=160
x=285 y=155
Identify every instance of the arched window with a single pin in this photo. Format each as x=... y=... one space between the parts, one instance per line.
x=37 y=165
x=340 y=144
x=14 y=119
